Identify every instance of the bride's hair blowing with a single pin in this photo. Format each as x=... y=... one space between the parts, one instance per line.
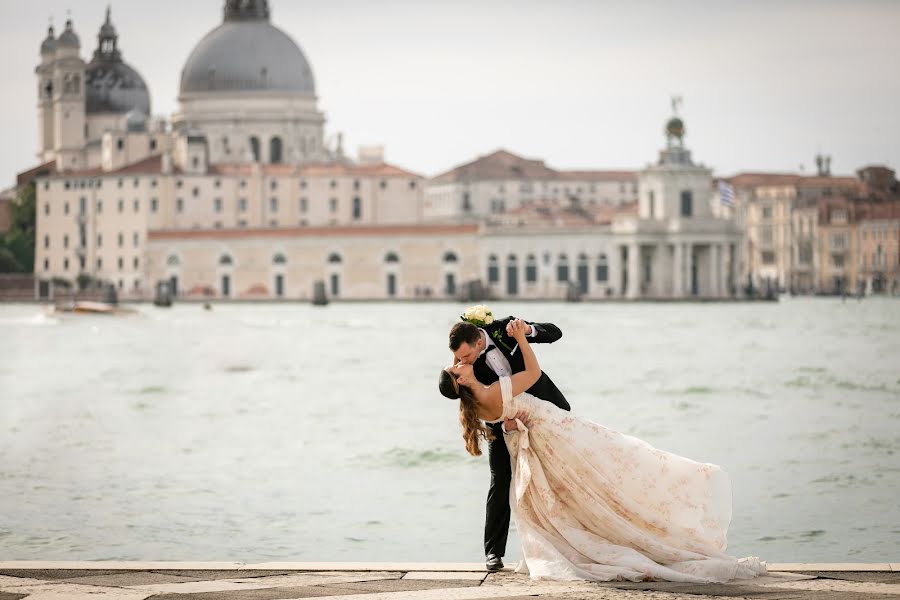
x=473 y=429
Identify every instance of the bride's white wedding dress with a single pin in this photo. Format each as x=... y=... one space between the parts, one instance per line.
x=592 y=503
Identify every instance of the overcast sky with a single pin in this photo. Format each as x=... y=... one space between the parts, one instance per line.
x=580 y=84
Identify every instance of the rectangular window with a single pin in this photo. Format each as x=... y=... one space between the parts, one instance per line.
x=531 y=272
x=768 y=257
x=65 y=241
x=332 y=204
x=562 y=272
x=357 y=208
x=136 y=262
x=687 y=202
x=99 y=240
x=46 y=241
x=137 y=205
x=242 y=204
x=135 y=239
x=121 y=240
x=767 y=212
x=217 y=205
x=303 y=205
x=99 y=206
x=99 y=263
x=179 y=205
x=121 y=205
x=273 y=204
x=602 y=271
x=154 y=204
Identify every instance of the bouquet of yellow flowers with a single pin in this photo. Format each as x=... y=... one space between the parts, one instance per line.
x=478 y=315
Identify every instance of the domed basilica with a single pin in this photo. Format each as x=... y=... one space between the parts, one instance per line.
x=247 y=93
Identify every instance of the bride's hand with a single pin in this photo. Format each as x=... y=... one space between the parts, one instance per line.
x=517 y=329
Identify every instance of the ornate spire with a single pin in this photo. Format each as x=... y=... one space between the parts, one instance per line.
x=246 y=10
x=107 y=41
x=48 y=46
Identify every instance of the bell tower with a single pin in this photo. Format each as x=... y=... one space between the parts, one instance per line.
x=69 y=101
x=45 y=91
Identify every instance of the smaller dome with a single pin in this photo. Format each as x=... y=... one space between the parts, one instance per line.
x=135 y=120
x=48 y=46
x=68 y=38
x=675 y=127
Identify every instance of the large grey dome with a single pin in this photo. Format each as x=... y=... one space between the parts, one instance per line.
x=247 y=53
x=111 y=85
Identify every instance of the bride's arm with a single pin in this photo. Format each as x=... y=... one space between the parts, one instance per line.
x=523 y=380
x=520 y=381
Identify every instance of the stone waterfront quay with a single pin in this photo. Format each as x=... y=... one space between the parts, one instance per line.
x=112 y=580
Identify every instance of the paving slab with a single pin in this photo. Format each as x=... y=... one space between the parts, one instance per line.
x=72 y=591
x=248 y=583
x=114 y=565
x=837 y=585
x=49 y=574
x=864 y=576
x=365 y=566
x=8 y=581
x=445 y=575
x=828 y=566
x=11 y=596
x=265 y=594
x=221 y=573
x=129 y=578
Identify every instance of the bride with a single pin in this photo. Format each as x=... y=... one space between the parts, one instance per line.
x=592 y=503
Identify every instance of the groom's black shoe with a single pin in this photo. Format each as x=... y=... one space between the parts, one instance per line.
x=493 y=562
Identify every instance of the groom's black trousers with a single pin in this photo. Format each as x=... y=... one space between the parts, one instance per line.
x=496 y=522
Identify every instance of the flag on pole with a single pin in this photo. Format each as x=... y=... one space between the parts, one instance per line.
x=726 y=194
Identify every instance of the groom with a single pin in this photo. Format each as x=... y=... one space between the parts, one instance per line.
x=493 y=353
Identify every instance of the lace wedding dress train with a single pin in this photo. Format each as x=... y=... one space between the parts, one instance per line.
x=592 y=503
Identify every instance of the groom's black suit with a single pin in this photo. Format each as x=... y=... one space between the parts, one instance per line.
x=496 y=524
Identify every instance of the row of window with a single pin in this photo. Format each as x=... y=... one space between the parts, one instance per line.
x=179 y=183
x=135 y=263
x=601 y=272
x=135 y=240
x=879 y=234
x=334 y=258
x=529 y=188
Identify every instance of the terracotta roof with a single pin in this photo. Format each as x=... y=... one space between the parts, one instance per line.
x=152 y=165
x=751 y=180
x=498 y=165
x=306 y=232
x=311 y=170
x=25 y=177
x=550 y=213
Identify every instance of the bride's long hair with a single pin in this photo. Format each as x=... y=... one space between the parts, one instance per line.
x=473 y=429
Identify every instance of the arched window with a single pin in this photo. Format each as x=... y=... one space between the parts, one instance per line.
x=279 y=259
x=226 y=259
x=602 y=268
x=450 y=257
x=562 y=268
x=391 y=257
x=254 y=148
x=334 y=258
x=275 y=150
x=493 y=269
x=583 y=273
x=531 y=268
x=173 y=260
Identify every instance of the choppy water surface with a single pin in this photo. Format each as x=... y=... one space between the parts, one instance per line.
x=255 y=432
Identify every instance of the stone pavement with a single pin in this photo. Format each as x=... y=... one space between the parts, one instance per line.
x=112 y=580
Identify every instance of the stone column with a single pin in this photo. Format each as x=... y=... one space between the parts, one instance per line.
x=659 y=272
x=678 y=270
x=689 y=269
x=614 y=270
x=713 y=270
x=634 y=268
